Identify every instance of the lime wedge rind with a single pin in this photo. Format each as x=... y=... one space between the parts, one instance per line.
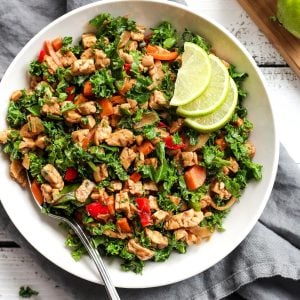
x=214 y=95
x=194 y=75
x=219 y=117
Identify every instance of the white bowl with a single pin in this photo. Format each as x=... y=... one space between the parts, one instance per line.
x=44 y=233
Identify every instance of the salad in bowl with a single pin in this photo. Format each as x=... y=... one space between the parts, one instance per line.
x=139 y=133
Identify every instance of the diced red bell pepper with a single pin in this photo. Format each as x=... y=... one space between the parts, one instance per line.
x=127 y=68
x=143 y=204
x=71 y=174
x=135 y=177
x=71 y=93
x=70 y=97
x=70 y=90
x=96 y=209
x=144 y=211
x=41 y=56
x=170 y=144
x=146 y=219
x=162 y=125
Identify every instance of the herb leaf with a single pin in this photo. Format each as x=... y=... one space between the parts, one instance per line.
x=164 y=35
x=189 y=36
x=103 y=83
x=27 y=292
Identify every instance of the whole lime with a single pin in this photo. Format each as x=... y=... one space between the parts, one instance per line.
x=288 y=13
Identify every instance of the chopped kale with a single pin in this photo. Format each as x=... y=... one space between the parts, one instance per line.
x=213 y=158
x=37 y=162
x=165 y=203
x=103 y=83
x=67 y=106
x=163 y=254
x=140 y=91
x=164 y=35
x=27 y=292
x=215 y=221
x=167 y=86
x=15 y=117
x=134 y=265
x=67 y=46
x=35 y=68
x=189 y=36
x=176 y=138
x=238 y=78
x=112 y=27
x=12 y=146
x=192 y=135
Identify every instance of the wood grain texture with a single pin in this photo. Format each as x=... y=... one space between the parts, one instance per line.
x=284 y=90
x=236 y=20
x=3 y=235
x=285 y=43
x=18 y=269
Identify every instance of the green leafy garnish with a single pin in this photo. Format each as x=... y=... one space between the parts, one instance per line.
x=164 y=35
x=103 y=83
x=27 y=292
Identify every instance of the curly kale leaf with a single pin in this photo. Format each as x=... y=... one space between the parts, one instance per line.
x=140 y=91
x=103 y=83
x=215 y=221
x=164 y=35
x=135 y=265
x=15 y=116
x=163 y=254
x=67 y=46
x=12 y=145
x=189 y=36
x=112 y=27
x=76 y=247
x=27 y=292
x=167 y=86
x=239 y=78
x=37 y=162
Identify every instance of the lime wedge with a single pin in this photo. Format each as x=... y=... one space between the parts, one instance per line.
x=220 y=116
x=214 y=94
x=193 y=76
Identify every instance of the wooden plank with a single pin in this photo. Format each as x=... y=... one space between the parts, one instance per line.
x=236 y=20
x=284 y=89
x=3 y=235
x=19 y=269
x=285 y=43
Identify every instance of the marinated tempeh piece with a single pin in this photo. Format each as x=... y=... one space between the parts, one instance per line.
x=186 y=219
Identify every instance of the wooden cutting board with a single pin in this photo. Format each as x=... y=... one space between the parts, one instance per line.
x=287 y=45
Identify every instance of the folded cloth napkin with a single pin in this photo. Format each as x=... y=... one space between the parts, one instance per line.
x=266 y=265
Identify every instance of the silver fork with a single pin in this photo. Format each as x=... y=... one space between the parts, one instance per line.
x=86 y=241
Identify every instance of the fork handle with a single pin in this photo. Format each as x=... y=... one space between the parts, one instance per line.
x=94 y=254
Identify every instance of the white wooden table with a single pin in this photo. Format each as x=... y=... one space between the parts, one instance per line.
x=18 y=268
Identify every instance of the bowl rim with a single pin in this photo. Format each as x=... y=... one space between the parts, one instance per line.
x=221 y=28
